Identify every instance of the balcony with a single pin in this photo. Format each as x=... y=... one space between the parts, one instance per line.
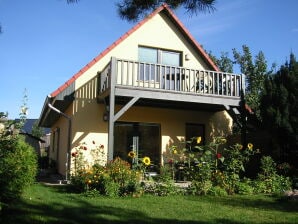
x=157 y=82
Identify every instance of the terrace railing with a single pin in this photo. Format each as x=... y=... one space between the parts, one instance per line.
x=160 y=77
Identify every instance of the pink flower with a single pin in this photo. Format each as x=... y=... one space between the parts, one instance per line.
x=218 y=155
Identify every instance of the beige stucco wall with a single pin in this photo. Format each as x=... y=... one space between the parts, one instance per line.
x=173 y=123
x=87 y=114
x=158 y=32
x=60 y=154
x=88 y=126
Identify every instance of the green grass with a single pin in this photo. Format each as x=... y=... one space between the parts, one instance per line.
x=48 y=204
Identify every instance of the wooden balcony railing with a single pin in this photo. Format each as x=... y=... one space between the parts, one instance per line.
x=121 y=72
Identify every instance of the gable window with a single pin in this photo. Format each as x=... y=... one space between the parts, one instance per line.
x=192 y=132
x=151 y=58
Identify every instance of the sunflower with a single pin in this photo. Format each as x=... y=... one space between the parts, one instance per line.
x=131 y=154
x=239 y=146
x=223 y=141
x=146 y=160
x=250 y=146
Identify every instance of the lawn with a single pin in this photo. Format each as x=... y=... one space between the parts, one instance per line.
x=49 y=204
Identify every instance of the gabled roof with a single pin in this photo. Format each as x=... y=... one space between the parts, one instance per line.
x=171 y=15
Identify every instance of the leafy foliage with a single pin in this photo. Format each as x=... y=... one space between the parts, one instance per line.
x=18 y=166
x=255 y=72
x=133 y=10
x=114 y=179
x=224 y=63
x=37 y=131
x=268 y=180
x=279 y=106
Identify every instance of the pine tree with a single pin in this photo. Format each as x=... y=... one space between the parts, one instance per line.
x=279 y=111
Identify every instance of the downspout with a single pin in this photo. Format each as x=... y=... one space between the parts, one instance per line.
x=68 y=161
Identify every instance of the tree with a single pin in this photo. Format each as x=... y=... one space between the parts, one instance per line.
x=37 y=131
x=256 y=72
x=133 y=10
x=279 y=110
x=224 y=63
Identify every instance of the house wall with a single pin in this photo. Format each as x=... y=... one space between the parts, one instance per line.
x=59 y=155
x=149 y=34
x=87 y=114
x=173 y=123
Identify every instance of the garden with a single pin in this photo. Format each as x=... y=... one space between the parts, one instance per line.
x=213 y=169
x=196 y=184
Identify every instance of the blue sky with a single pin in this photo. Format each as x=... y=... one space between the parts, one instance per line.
x=45 y=42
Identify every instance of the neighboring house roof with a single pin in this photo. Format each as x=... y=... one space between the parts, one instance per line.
x=27 y=128
x=172 y=16
x=33 y=137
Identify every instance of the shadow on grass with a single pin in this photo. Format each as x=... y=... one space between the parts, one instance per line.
x=82 y=212
x=64 y=207
x=274 y=203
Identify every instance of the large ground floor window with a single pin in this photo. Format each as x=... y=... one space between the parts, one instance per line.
x=142 y=138
x=192 y=132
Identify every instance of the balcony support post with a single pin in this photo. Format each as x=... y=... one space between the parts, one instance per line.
x=112 y=109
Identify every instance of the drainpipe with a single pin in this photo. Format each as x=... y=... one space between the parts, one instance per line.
x=67 y=175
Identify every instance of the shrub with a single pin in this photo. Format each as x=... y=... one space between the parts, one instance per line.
x=161 y=188
x=268 y=181
x=114 y=179
x=18 y=167
x=245 y=187
x=217 y=191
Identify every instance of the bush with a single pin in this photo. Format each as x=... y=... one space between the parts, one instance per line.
x=245 y=187
x=161 y=188
x=18 y=167
x=268 y=181
x=217 y=191
x=114 y=179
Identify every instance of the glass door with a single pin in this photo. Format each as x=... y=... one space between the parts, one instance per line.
x=142 y=138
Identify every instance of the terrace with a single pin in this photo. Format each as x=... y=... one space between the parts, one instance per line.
x=128 y=83
x=156 y=82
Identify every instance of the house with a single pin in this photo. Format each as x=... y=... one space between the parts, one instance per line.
x=152 y=88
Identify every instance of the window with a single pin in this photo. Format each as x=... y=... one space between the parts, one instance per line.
x=150 y=57
x=142 y=138
x=170 y=58
x=192 y=132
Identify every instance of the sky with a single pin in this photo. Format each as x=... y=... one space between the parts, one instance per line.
x=45 y=42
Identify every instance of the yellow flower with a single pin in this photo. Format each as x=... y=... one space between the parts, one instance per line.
x=89 y=181
x=239 y=146
x=146 y=160
x=223 y=141
x=199 y=139
x=174 y=151
x=250 y=146
x=132 y=154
